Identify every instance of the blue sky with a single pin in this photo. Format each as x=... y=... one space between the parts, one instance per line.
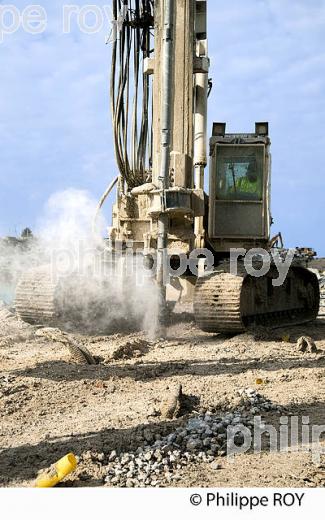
x=268 y=63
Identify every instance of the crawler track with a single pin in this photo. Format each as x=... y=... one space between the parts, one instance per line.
x=322 y=297
x=36 y=301
x=217 y=303
x=228 y=303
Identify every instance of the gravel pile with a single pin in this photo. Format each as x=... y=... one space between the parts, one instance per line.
x=202 y=439
x=256 y=402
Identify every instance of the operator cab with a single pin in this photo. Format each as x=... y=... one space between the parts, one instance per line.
x=239 y=209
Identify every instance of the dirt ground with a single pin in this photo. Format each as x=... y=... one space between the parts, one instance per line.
x=50 y=406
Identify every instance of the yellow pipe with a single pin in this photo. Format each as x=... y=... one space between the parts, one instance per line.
x=57 y=472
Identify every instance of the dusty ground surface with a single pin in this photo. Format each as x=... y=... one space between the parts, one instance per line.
x=50 y=406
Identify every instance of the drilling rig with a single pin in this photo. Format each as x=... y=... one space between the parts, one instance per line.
x=159 y=92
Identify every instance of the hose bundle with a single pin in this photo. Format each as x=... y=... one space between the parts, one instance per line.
x=130 y=97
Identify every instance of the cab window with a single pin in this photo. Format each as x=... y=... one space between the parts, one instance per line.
x=240 y=173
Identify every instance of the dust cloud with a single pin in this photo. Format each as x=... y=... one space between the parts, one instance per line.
x=94 y=289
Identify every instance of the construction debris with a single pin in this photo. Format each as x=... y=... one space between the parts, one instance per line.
x=12 y=329
x=135 y=348
x=57 y=472
x=79 y=353
x=172 y=405
x=306 y=344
